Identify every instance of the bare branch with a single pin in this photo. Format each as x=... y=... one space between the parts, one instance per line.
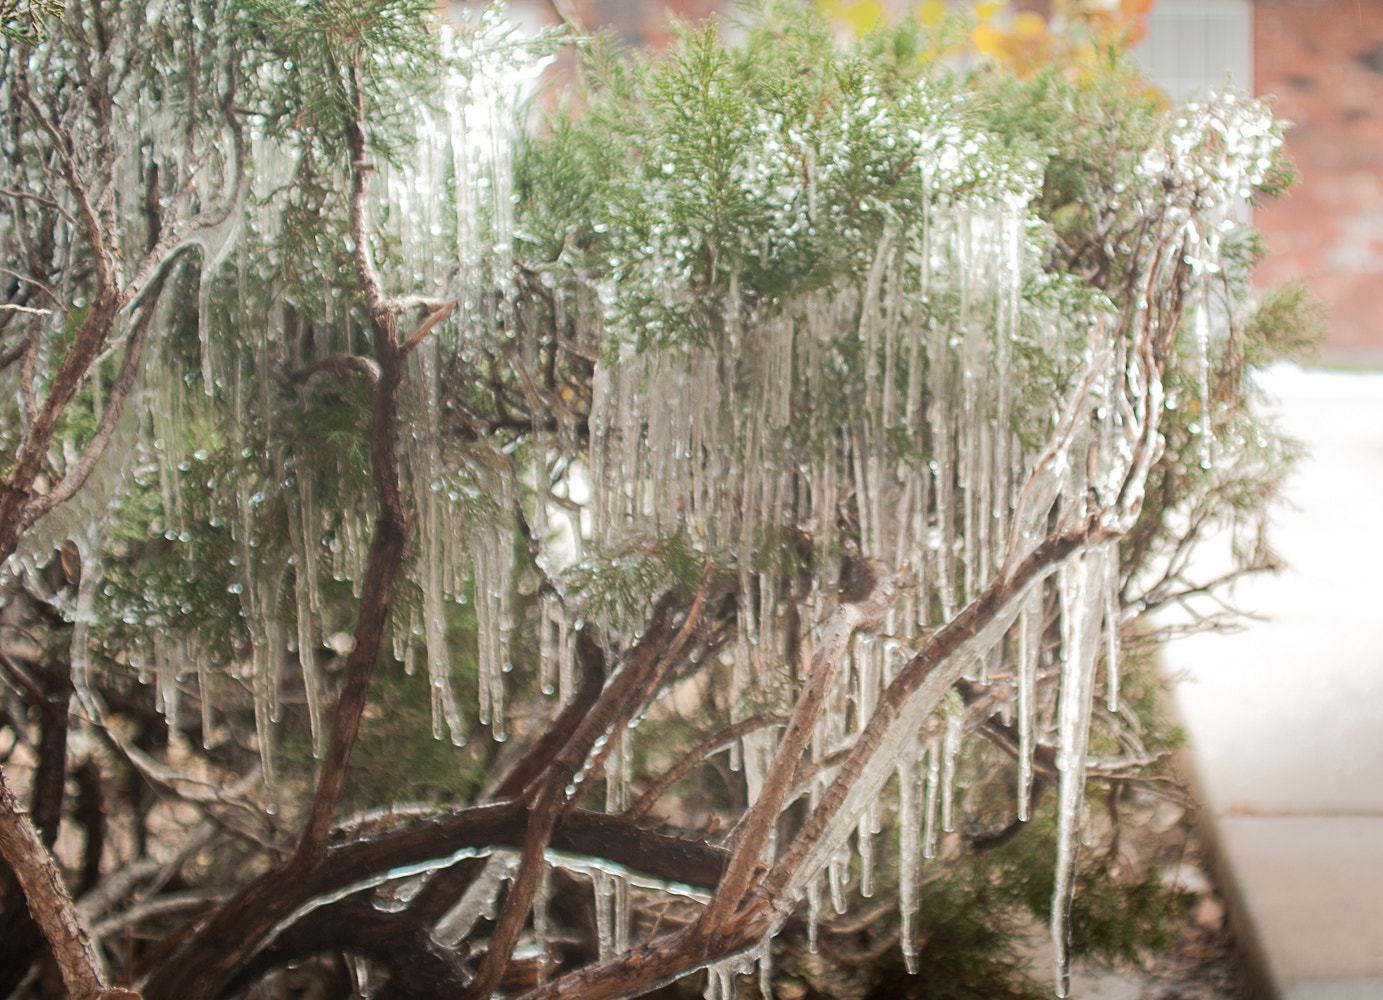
x=49 y=901
x=343 y=366
x=754 y=831
x=441 y=313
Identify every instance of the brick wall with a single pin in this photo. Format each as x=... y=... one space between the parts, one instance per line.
x=1323 y=61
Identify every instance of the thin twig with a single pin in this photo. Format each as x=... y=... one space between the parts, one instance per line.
x=439 y=314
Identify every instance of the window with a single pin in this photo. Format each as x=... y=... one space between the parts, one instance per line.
x=1195 y=46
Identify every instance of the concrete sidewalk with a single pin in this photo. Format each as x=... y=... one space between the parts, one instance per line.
x=1285 y=719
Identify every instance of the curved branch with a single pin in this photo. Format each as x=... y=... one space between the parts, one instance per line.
x=878 y=595
x=439 y=314
x=343 y=366
x=119 y=393
x=49 y=901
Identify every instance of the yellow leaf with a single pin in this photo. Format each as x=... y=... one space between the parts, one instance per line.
x=1029 y=25
x=984 y=11
x=932 y=12
x=864 y=15
x=987 y=39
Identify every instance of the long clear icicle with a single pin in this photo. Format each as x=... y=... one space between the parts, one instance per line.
x=909 y=844
x=1080 y=582
x=304 y=566
x=929 y=833
x=955 y=722
x=1029 y=648
x=1111 y=631
x=604 y=886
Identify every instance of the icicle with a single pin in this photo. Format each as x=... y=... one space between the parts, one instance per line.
x=604 y=914
x=478 y=901
x=955 y=723
x=81 y=626
x=622 y=915
x=1111 y=625
x=929 y=835
x=618 y=766
x=566 y=661
x=166 y=682
x=206 y=695
x=838 y=877
x=813 y=913
x=444 y=706
x=720 y=981
x=1078 y=580
x=909 y=837
x=941 y=415
x=548 y=654
x=307 y=645
x=1202 y=327
x=273 y=649
x=1029 y=646
x=865 y=839
x=542 y=919
x=261 y=678
x=216 y=245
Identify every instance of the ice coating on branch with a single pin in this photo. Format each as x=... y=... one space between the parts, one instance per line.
x=478 y=901
x=912 y=715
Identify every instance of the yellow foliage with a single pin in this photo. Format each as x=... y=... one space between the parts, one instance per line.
x=1029 y=24
x=1020 y=41
x=987 y=39
x=931 y=12
x=860 y=15
x=864 y=15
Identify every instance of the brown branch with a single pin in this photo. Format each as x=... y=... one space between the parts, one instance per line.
x=119 y=393
x=223 y=943
x=391 y=526
x=616 y=705
x=398 y=941
x=439 y=314
x=935 y=654
x=343 y=366
x=754 y=831
x=49 y=901
x=647 y=685
x=591 y=658
x=21 y=938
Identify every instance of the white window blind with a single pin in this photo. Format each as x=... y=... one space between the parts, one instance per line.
x=1196 y=46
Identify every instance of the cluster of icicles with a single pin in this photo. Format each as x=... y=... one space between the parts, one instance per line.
x=682 y=439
